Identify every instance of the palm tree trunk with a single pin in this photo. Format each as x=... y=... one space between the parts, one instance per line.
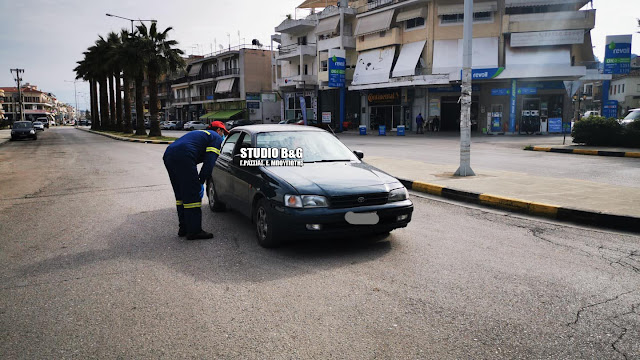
x=112 y=104
x=139 y=105
x=95 y=116
x=104 y=104
x=92 y=99
x=118 y=103
x=127 y=104
x=153 y=103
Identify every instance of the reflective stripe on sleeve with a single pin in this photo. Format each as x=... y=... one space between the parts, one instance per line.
x=192 y=205
x=178 y=202
x=205 y=131
x=212 y=149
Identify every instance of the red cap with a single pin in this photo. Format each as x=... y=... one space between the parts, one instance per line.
x=219 y=124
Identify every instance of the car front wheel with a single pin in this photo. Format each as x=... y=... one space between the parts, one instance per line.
x=215 y=205
x=267 y=236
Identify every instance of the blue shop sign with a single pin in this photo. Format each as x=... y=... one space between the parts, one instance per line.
x=617 y=54
x=499 y=92
x=527 y=91
x=337 y=67
x=253 y=105
x=610 y=109
x=484 y=74
x=452 y=89
x=555 y=125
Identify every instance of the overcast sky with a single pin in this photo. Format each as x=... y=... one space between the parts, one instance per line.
x=47 y=37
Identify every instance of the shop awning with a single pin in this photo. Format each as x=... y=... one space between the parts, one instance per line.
x=519 y=3
x=447 y=55
x=310 y=4
x=195 y=69
x=489 y=6
x=225 y=114
x=374 y=23
x=224 y=86
x=328 y=25
x=411 y=14
x=374 y=66
x=408 y=59
x=557 y=55
x=543 y=71
x=208 y=116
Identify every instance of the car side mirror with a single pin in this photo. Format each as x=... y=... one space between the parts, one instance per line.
x=359 y=154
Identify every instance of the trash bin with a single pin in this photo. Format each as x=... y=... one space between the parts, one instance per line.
x=382 y=130
x=363 y=130
x=400 y=130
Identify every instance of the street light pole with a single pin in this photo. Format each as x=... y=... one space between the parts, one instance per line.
x=132 y=20
x=75 y=95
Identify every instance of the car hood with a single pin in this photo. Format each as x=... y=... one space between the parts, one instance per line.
x=334 y=178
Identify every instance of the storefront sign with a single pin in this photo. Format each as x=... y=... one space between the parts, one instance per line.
x=617 y=54
x=555 y=125
x=326 y=117
x=386 y=98
x=527 y=91
x=337 y=66
x=253 y=96
x=546 y=38
x=543 y=85
x=512 y=107
x=268 y=97
x=253 y=105
x=434 y=107
x=452 y=89
x=484 y=74
x=500 y=92
x=610 y=109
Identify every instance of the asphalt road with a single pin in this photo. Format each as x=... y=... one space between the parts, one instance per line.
x=92 y=268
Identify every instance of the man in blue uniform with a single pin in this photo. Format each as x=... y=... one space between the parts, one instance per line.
x=181 y=159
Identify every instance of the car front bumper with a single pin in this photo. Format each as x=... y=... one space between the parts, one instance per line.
x=292 y=223
x=22 y=135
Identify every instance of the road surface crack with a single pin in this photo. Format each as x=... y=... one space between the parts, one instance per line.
x=584 y=308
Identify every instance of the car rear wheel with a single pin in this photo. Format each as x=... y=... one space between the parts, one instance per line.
x=215 y=205
x=265 y=231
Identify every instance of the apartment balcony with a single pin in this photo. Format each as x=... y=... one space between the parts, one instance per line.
x=228 y=72
x=391 y=37
x=200 y=77
x=182 y=100
x=349 y=42
x=295 y=50
x=564 y=20
x=291 y=26
x=230 y=96
x=298 y=81
x=377 y=4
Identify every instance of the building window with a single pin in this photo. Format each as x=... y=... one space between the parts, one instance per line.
x=302 y=40
x=324 y=65
x=415 y=23
x=622 y=88
x=483 y=16
x=638 y=89
x=306 y=69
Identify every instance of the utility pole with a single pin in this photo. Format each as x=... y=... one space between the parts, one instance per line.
x=18 y=79
x=75 y=95
x=465 y=96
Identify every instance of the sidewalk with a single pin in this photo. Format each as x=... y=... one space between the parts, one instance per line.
x=578 y=201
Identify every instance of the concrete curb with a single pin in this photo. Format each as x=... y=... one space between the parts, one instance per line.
x=632 y=154
x=115 y=137
x=579 y=216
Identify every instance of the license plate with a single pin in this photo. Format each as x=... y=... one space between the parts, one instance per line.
x=369 y=218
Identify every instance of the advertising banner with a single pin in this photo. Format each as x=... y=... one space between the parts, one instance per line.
x=337 y=67
x=303 y=107
x=610 y=109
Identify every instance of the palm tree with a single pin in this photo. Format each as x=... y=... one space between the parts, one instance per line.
x=84 y=71
x=115 y=47
x=160 y=57
x=101 y=52
x=126 y=55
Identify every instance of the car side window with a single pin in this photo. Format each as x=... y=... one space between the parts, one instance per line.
x=245 y=142
x=229 y=144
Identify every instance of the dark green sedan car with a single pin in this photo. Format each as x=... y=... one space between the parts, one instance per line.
x=297 y=182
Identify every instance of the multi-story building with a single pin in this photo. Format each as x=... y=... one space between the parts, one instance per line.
x=1 y=107
x=410 y=59
x=625 y=89
x=35 y=103
x=229 y=84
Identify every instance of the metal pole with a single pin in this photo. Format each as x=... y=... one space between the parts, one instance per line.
x=343 y=4
x=465 y=96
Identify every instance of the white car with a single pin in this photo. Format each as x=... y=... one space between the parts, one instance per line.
x=168 y=125
x=194 y=125
x=591 y=113
x=631 y=116
x=38 y=125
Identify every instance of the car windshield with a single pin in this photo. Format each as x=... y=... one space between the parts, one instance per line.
x=37 y=123
x=22 y=125
x=316 y=146
x=633 y=115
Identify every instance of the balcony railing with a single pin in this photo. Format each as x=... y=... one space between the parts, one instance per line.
x=284 y=50
x=231 y=95
x=376 y=4
x=206 y=76
x=182 y=100
x=226 y=72
x=203 y=98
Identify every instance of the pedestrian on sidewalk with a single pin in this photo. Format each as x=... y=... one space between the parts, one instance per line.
x=436 y=123
x=181 y=159
x=419 y=122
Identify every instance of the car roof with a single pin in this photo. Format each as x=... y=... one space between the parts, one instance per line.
x=255 y=129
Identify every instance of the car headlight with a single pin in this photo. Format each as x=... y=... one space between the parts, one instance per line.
x=398 y=194
x=32 y=132
x=13 y=132
x=305 y=201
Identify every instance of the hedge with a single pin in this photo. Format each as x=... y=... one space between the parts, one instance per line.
x=600 y=131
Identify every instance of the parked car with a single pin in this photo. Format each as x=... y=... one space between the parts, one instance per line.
x=168 y=125
x=38 y=125
x=333 y=194
x=591 y=113
x=631 y=116
x=23 y=130
x=44 y=121
x=233 y=123
x=194 y=125
x=292 y=121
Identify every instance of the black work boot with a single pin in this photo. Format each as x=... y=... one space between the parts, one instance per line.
x=182 y=231
x=200 y=236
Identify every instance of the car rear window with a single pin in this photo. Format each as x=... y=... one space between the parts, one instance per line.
x=22 y=125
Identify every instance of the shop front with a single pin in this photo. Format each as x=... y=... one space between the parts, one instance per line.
x=385 y=108
x=444 y=103
x=297 y=103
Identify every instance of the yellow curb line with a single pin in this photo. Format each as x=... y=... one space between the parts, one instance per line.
x=427 y=188
x=632 y=154
x=540 y=148
x=585 y=152
x=516 y=204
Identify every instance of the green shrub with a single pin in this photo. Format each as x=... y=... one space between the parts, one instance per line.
x=598 y=131
x=631 y=135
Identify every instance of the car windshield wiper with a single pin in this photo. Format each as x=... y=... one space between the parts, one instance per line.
x=328 y=160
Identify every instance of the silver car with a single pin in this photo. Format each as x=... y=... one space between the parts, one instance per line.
x=38 y=125
x=632 y=115
x=194 y=125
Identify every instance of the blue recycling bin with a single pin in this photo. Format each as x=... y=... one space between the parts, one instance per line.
x=400 y=130
x=363 y=130
x=382 y=130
